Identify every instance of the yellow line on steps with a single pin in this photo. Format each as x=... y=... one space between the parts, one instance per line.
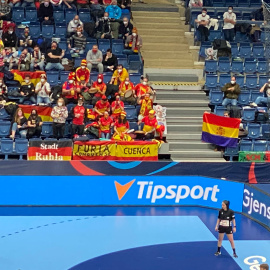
x=175 y=83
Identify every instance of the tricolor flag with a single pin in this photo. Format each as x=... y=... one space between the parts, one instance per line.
x=219 y=130
x=43 y=111
x=34 y=76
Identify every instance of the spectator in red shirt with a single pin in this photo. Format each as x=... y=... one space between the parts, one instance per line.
x=79 y=114
x=82 y=72
x=146 y=105
x=102 y=106
x=143 y=88
x=150 y=125
x=117 y=106
x=121 y=127
x=105 y=123
x=101 y=88
x=70 y=89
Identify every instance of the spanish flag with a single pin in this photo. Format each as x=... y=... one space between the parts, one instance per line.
x=34 y=76
x=43 y=111
x=222 y=131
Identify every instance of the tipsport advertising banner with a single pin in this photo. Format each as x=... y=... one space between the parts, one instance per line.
x=256 y=205
x=119 y=190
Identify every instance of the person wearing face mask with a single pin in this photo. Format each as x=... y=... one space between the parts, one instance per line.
x=133 y=43
x=143 y=88
x=77 y=42
x=110 y=61
x=202 y=25
x=266 y=95
x=119 y=75
x=79 y=115
x=127 y=92
x=70 y=89
x=115 y=13
x=229 y=18
x=124 y=4
x=256 y=15
x=121 y=127
x=82 y=72
x=105 y=123
x=117 y=106
x=43 y=90
x=231 y=92
x=125 y=29
x=19 y=124
x=9 y=37
x=102 y=106
x=27 y=90
x=192 y=4
x=54 y=56
x=3 y=90
x=45 y=12
x=103 y=27
x=34 y=123
x=83 y=4
x=94 y=59
x=150 y=125
x=146 y=106
x=101 y=88
x=5 y=11
x=73 y=25
x=24 y=61
x=59 y=115
x=37 y=59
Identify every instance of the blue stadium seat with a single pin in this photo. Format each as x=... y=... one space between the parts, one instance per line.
x=84 y=15
x=240 y=79
x=70 y=14
x=107 y=76
x=241 y=37
x=6 y=147
x=104 y=41
x=103 y=47
x=52 y=77
x=245 y=14
x=237 y=66
x=245 y=145
x=214 y=34
x=134 y=66
x=203 y=47
x=262 y=80
x=244 y=3
x=218 y=3
x=123 y=61
x=4 y=128
x=248 y=114
x=35 y=30
x=259 y=146
x=63 y=45
x=216 y=97
x=135 y=57
x=63 y=76
x=250 y=65
x=89 y=45
x=18 y=14
x=117 y=41
x=224 y=64
x=59 y=16
x=219 y=110
x=47 y=129
x=231 y=152
x=31 y=14
x=243 y=98
x=135 y=78
x=21 y=147
x=78 y=61
x=60 y=30
x=258 y=50
x=133 y=125
x=255 y=3
x=47 y=31
x=234 y=49
x=251 y=81
x=4 y=115
x=211 y=66
x=117 y=48
x=265 y=131
x=245 y=50
x=131 y=114
x=223 y=79
x=262 y=65
x=254 y=131
x=254 y=95
x=211 y=81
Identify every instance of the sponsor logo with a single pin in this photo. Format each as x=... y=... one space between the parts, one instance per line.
x=122 y=189
x=254 y=262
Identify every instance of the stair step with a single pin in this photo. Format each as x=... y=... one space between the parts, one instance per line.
x=183 y=103
x=189 y=145
x=184 y=128
x=185 y=111
x=167 y=26
x=169 y=63
x=177 y=95
x=165 y=40
x=161 y=32
x=156 y=20
x=204 y=159
x=170 y=48
x=160 y=55
x=190 y=136
x=195 y=154
x=143 y=14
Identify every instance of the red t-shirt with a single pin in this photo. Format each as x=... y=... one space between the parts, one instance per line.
x=100 y=86
x=105 y=124
x=68 y=86
x=122 y=127
x=81 y=111
x=102 y=107
x=149 y=124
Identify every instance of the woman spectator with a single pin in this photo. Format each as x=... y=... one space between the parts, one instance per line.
x=59 y=115
x=43 y=90
x=9 y=37
x=34 y=124
x=150 y=125
x=3 y=90
x=133 y=43
x=121 y=127
x=146 y=106
x=117 y=106
x=19 y=124
x=105 y=123
x=37 y=59
x=45 y=12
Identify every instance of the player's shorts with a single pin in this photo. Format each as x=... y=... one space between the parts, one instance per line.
x=227 y=230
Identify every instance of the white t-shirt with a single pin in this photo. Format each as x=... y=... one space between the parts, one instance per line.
x=203 y=18
x=42 y=92
x=230 y=16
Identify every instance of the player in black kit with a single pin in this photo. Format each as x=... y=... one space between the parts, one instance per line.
x=225 y=220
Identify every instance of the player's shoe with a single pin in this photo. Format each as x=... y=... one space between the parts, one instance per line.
x=217 y=253
x=234 y=255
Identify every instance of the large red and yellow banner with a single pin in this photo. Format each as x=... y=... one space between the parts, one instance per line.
x=43 y=111
x=34 y=76
x=111 y=150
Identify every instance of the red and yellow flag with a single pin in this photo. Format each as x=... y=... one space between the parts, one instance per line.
x=43 y=111
x=34 y=76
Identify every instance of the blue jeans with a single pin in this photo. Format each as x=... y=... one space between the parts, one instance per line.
x=227 y=101
x=21 y=132
x=45 y=100
x=28 y=4
x=261 y=100
x=73 y=50
x=31 y=98
x=39 y=67
x=105 y=135
x=229 y=34
x=56 y=66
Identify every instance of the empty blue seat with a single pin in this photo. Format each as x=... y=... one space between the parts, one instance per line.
x=134 y=66
x=133 y=125
x=223 y=79
x=265 y=131
x=35 y=30
x=218 y=3
x=103 y=47
x=52 y=77
x=245 y=51
x=251 y=81
x=234 y=49
x=78 y=61
x=211 y=66
x=248 y=114
x=60 y=30
x=18 y=14
x=243 y=98
x=135 y=57
x=214 y=34
x=224 y=64
x=216 y=97
x=3 y=114
x=250 y=65
x=240 y=79
x=231 y=152
x=259 y=146
x=117 y=48
x=63 y=45
x=47 y=31
x=59 y=16
x=245 y=145
x=211 y=81
x=47 y=129
x=254 y=131
x=219 y=110
x=123 y=61
x=31 y=14
x=21 y=147
x=107 y=77
x=63 y=76
x=70 y=14
x=131 y=114
x=262 y=65
x=255 y=3
x=258 y=50
x=237 y=66
x=244 y=3
x=4 y=128
x=254 y=95
x=6 y=147
x=262 y=80
x=135 y=78
x=84 y=15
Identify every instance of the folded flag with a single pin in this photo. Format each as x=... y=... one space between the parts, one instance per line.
x=219 y=130
x=34 y=76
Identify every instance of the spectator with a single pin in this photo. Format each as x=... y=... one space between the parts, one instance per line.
x=103 y=27
x=8 y=57
x=115 y=13
x=109 y=61
x=121 y=127
x=192 y=4
x=119 y=75
x=124 y=4
x=94 y=59
x=125 y=29
x=202 y=23
x=264 y=266
x=70 y=4
x=70 y=89
x=45 y=12
x=266 y=98
x=117 y=106
x=100 y=86
x=150 y=125
x=102 y=106
x=3 y=90
x=37 y=59
x=83 y=4
x=56 y=3
x=127 y=92
x=59 y=115
x=231 y=92
x=2 y=55
x=34 y=124
x=146 y=106
x=19 y=124
x=82 y=72
x=24 y=60
x=5 y=11
x=229 y=22
x=43 y=90
x=105 y=122
x=255 y=32
x=13 y=60
x=27 y=90
x=79 y=114
x=28 y=3
x=15 y=3
x=106 y=2
x=73 y=25
x=54 y=56
x=143 y=88
x=77 y=42
x=9 y=37
x=133 y=43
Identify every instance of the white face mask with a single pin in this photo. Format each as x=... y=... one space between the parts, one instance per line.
x=203 y=13
x=106 y=18
x=125 y=23
x=99 y=80
x=126 y=82
x=27 y=81
x=70 y=81
x=76 y=21
x=134 y=34
x=1 y=83
x=232 y=82
x=83 y=67
x=60 y=104
x=144 y=83
x=78 y=33
x=230 y=11
x=268 y=84
x=80 y=104
x=46 y=4
x=10 y=32
x=119 y=70
x=42 y=80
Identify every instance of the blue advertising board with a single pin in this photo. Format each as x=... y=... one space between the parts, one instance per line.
x=256 y=205
x=119 y=190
